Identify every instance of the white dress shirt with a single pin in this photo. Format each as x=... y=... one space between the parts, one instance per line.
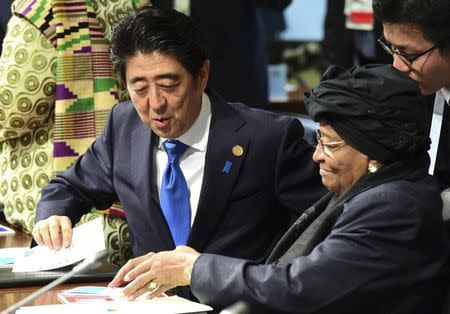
x=192 y=163
x=183 y=6
x=446 y=93
x=436 y=125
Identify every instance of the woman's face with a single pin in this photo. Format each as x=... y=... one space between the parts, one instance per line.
x=340 y=165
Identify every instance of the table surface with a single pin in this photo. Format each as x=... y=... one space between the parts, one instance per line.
x=9 y=296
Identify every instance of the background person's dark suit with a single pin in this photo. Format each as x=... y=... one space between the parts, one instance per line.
x=338 y=42
x=383 y=255
x=236 y=43
x=442 y=168
x=241 y=213
x=5 y=15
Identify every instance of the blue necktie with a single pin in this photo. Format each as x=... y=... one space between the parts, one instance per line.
x=175 y=194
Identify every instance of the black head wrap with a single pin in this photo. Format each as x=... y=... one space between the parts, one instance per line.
x=376 y=109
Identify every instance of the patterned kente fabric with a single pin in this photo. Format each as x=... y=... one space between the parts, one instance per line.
x=56 y=89
x=86 y=87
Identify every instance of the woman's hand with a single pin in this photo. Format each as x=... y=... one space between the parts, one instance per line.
x=121 y=279
x=156 y=273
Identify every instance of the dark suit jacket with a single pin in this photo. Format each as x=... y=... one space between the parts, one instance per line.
x=5 y=15
x=384 y=253
x=232 y=31
x=338 y=42
x=442 y=168
x=241 y=213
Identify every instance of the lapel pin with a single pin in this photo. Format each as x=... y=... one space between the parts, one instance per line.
x=227 y=167
x=237 y=150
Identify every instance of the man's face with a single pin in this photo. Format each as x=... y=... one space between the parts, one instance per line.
x=432 y=70
x=166 y=96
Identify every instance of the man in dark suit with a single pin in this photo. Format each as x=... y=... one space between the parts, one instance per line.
x=247 y=171
x=233 y=32
x=339 y=42
x=5 y=15
x=416 y=34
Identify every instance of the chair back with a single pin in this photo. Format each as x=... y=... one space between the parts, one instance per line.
x=309 y=125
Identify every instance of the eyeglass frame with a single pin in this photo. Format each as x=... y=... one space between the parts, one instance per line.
x=408 y=59
x=328 y=147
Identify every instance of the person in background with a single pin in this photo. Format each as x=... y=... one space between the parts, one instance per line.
x=417 y=36
x=351 y=33
x=188 y=167
x=57 y=87
x=376 y=243
x=5 y=15
x=235 y=38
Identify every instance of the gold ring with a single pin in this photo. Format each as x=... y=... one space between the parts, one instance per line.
x=152 y=285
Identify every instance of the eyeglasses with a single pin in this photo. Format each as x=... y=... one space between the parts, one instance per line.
x=329 y=147
x=405 y=57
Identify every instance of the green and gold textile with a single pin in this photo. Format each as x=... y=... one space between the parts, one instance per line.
x=57 y=87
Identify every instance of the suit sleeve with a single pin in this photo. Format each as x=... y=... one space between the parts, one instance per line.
x=88 y=183
x=373 y=248
x=298 y=183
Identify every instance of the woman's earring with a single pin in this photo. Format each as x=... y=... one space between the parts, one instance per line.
x=373 y=166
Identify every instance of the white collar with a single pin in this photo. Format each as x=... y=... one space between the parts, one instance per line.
x=197 y=135
x=446 y=93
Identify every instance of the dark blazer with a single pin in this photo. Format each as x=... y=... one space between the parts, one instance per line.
x=232 y=31
x=5 y=15
x=383 y=253
x=442 y=168
x=338 y=42
x=241 y=213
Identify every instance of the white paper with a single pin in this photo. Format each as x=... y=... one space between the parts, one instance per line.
x=87 y=239
x=435 y=130
x=84 y=294
x=169 y=305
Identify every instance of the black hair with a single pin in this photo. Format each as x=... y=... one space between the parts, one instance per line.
x=165 y=31
x=431 y=16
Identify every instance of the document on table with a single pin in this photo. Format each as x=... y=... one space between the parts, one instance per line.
x=164 y=305
x=87 y=239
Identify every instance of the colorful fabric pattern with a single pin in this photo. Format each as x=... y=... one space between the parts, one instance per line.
x=27 y=87
x=57 y=87
x=86 y=88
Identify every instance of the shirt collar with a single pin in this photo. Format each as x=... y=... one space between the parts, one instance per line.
x=197 y=135
x=446 y=93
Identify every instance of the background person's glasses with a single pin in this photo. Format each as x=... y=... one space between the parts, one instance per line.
x=405 y=57
x=329 y=147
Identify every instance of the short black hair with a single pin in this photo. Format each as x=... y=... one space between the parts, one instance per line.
x=166 y=31
x=431 y=16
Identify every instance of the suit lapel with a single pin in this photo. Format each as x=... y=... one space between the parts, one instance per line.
x=313 y=235
x=442 y=168
x=298 y=227
x=142 y=169
x=222 y=167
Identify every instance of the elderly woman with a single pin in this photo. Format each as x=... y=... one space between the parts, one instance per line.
x=374 y=244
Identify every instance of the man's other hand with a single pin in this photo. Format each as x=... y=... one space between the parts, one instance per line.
x=53 y=232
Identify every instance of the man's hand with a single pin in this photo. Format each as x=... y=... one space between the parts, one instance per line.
x=53 y=232
x=157 y=272
x=121 y=277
